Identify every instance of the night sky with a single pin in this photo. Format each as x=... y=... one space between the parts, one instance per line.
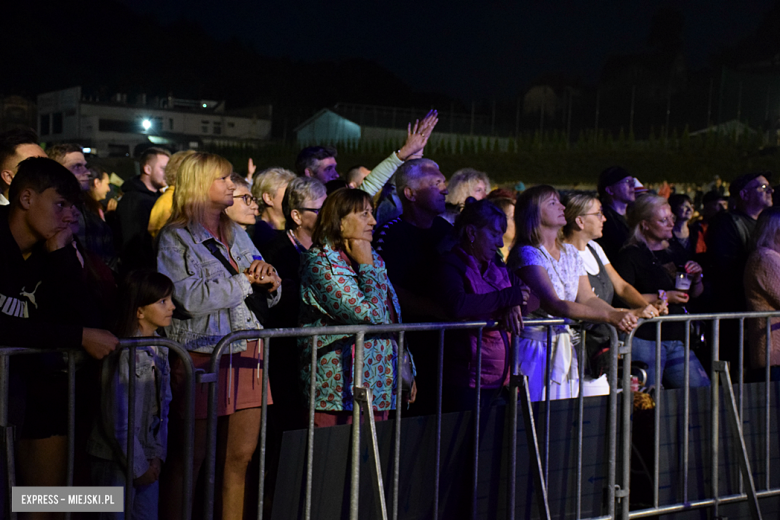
x=465 y=49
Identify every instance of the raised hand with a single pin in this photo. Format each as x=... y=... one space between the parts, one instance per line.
x=251 y=169
x=417 y=136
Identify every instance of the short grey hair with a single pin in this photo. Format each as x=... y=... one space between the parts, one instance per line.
x=411 y=173
x=239 y=180
x=462 y=182
x=269 y=181
x=298 y=191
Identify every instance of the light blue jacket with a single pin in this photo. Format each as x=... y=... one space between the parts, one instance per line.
x=205 y=289
x=152 y=402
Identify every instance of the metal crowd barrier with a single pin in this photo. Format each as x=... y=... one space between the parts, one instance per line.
x=720 y=375
x=131 y=344
x=362 y=400
x=619 y=446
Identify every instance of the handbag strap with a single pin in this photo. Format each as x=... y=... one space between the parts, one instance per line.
x=211 y=245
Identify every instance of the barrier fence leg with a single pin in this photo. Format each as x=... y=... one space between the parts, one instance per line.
x=714 y=421
x=8 y=434
x=397 y=441
x=363 y=395
x=533 y=447
x=514 y=384
x=357 y=371
x=623 y=494
x=310 y=443
x=440 y=379
x=130 y=428
x=744 y=463
x=477 y=421
x=266 y=345
x=613 y=418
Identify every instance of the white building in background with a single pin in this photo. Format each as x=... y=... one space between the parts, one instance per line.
x=117 y=128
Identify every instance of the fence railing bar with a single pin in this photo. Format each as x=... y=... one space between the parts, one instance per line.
x=580 y=419
x=547 y=399
x=398 y=414
x=741 y=381
x=613 y=421
x=71 y=418
x=714 y=424
x=266 y=346
x=686 y=412
x=767 y=400
x=477 y=420
x=310 y=433
x=657 y=415
x=514 y=383
x=440 y=379
x=627 y=409
x=129 y=490
x=8 y=434
x=357 y=384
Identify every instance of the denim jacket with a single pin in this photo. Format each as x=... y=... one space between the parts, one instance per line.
x=205 y=289
x=152 y=401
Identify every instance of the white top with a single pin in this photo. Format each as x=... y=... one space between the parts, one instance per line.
x=591 y=265
x=564 y=273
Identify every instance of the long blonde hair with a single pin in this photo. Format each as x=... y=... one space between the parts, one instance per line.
x=576 y=206
x=193 y=182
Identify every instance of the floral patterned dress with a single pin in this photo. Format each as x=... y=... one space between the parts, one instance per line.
x=564 y=275
x=332 y=294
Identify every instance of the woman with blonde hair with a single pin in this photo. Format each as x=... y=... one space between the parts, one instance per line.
x=554 y=272
x=268 y=188
x=216 y=271
x=762 y=291
x=464 y=183
x=660 y=272
x=584 y=224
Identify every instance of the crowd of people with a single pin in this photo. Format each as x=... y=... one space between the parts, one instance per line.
x=194 y=250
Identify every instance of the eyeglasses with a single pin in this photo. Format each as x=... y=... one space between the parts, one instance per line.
x=667 y=220
x=316 y=211
x=765 y=188
x=599 y=214
x=248 y=199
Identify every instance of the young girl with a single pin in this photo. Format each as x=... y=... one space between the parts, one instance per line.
x=145 y=306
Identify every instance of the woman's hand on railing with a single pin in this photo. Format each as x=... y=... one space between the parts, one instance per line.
x=647 y=313
x=661 y=306
x=622 y=319
x=512 y=320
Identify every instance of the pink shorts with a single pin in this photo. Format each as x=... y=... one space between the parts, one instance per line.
x=243 y=390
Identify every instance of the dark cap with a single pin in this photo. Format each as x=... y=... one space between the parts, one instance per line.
x=712 y=196
x=610 y=176
x=743 y=180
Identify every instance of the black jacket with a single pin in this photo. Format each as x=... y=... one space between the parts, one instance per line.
x=133 y=212
x=33 y=293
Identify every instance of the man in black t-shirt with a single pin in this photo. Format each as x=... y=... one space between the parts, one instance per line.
x=616 y=191
x=410 y=246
